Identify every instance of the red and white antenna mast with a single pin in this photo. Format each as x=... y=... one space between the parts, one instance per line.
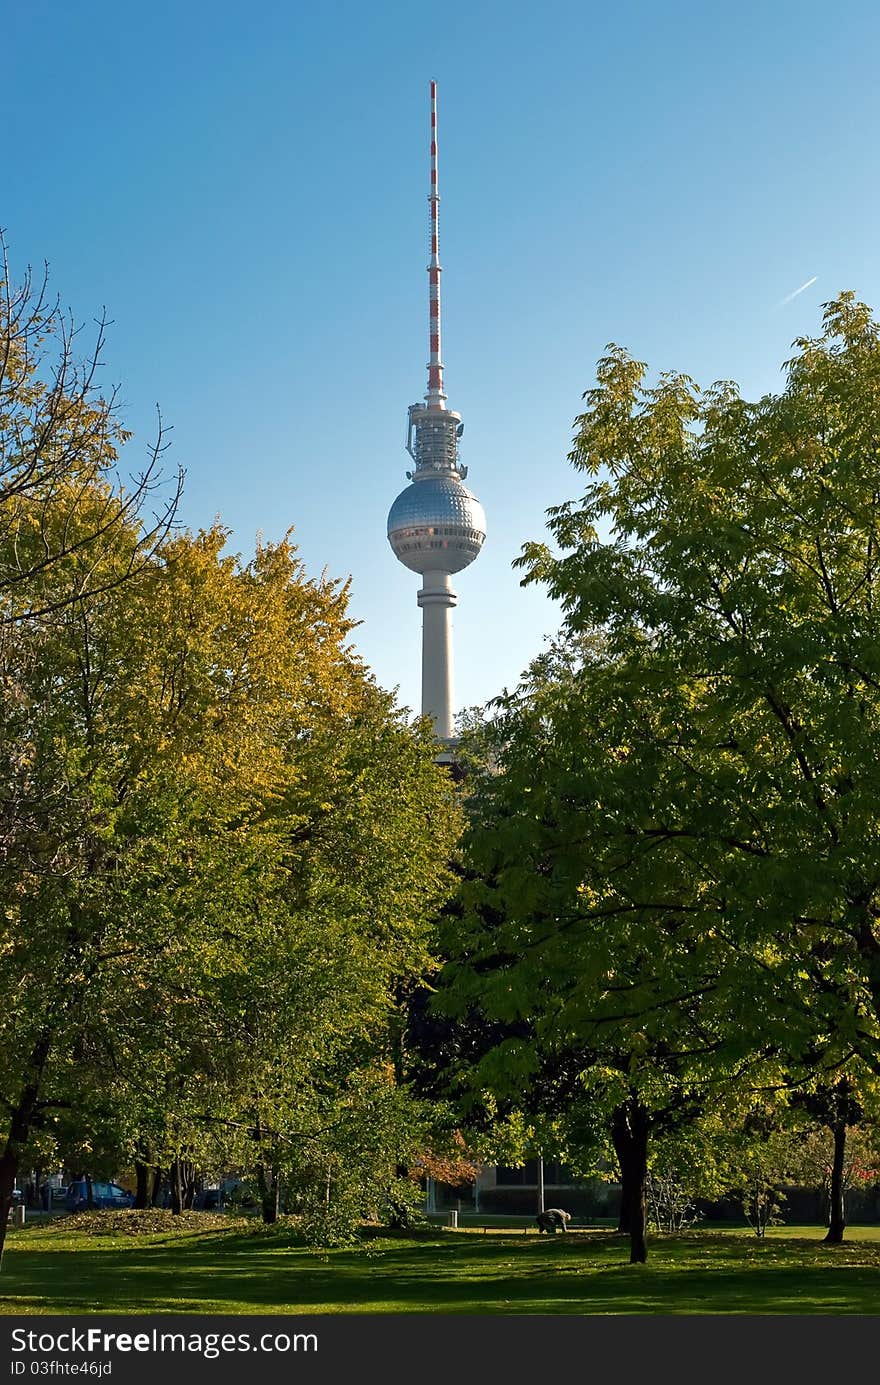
x=436 y=395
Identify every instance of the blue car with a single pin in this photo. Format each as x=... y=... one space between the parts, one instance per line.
x=103 y=1195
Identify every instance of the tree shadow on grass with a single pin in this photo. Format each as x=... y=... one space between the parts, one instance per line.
x=444 y=1274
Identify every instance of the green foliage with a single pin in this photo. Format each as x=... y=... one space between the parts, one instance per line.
x=246 y=848
x=327 y=1226
x=673 y=850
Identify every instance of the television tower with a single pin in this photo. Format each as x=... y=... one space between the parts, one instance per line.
x=436 y=526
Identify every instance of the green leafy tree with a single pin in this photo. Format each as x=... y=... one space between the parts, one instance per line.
x=839 y=1105
x=241 y=845
x=609 y=1010
x=814 y=1163
x=674 y=845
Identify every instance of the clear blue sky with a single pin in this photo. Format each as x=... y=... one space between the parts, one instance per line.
x=244 y=187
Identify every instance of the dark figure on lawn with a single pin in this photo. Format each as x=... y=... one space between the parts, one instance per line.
x=551 y=1219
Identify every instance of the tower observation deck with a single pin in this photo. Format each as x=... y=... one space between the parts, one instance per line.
x=436 y=527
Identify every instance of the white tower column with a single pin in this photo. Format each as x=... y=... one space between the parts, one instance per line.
x=437 y=599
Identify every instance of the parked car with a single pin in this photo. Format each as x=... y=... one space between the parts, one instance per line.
x=103 y=1195
x=229 y=1193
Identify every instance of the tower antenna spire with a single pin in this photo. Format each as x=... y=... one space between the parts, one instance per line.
x=436 y=395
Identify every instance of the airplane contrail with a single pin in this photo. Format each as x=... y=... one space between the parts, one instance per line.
x=797 y=291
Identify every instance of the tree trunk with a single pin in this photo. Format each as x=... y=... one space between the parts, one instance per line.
x=619 y=1138
x=142 y=1184
x=623 y=1216
x=629 y=1134
x=188 y=1178
x=8 y=1171
x=269 y=1184
x=176 y=1178
x=837 y=1221
x=21 y=1120
x=156 y=1187
x=638 y=1197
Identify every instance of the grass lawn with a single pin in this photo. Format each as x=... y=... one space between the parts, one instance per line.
x=229 y=1268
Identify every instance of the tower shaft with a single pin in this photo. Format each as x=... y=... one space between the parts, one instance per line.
x=437 y=599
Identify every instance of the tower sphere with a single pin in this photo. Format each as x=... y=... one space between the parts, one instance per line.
x=436 y=525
